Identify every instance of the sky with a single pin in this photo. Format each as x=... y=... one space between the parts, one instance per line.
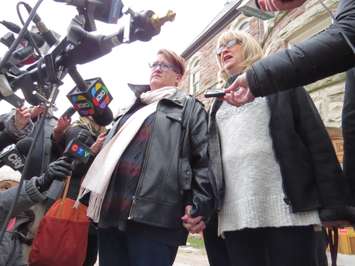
x=127 y=63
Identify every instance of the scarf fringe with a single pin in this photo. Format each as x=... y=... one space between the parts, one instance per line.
x=94 y=208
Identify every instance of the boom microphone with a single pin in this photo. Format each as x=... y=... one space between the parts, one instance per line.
x=47 y=34
x=103 y=117
x=75 y=150
x=108 y=11
x=15 y=155
x=7 y=93
x=16 y=29
x=24 y=145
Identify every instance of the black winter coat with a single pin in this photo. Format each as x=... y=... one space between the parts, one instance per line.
x=311 y=174
x=324 y=54
x=166 y=179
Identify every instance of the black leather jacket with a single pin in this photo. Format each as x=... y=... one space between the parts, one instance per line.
x=167 y=183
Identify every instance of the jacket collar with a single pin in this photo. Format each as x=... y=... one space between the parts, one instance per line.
x=179 y=98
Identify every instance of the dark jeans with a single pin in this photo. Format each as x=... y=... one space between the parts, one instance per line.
x=91 y=251
x=215 y=246
x=283 y=246
x=117 y=248
x=348 y=125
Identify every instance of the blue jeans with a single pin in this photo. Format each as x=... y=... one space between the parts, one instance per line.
x=117 y=248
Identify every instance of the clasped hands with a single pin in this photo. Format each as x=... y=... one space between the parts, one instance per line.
x=192 y=224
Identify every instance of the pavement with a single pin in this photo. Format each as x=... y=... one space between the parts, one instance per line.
x=343 y=260
x=188 y=256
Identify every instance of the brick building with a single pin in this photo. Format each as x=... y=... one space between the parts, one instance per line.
x=274 y=31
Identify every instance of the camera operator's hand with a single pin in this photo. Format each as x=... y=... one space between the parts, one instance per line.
x=56 y=170
x=36 y=111
x=97 y=145
x=62 y=125
x=238 y=93
x=22 y=117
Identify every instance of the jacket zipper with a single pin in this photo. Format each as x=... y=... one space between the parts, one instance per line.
x=140 y=181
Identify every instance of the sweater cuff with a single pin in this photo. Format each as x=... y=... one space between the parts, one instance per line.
x=32 y=190
x=18 y=133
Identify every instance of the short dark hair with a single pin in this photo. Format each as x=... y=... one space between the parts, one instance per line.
x=175 y=59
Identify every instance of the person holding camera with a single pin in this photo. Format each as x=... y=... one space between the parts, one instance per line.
x=32 y=192
x=329 y=52
x=14 y=126
x=146 y=180
x=93 y=136
x=274 y=169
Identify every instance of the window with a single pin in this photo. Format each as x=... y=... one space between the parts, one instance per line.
x=195 y=77
x=242 y=23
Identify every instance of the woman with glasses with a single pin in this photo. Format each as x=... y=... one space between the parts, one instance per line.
x=274 y=168
x=145 y=180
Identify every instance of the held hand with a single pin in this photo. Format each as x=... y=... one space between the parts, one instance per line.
x=97 y=145
x=238 y=93
x=193 y=225
x=63 y=123
x=22 y=117
x=56 y=170
x=36 y=111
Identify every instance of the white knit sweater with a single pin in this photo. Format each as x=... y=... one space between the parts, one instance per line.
x=254 y=195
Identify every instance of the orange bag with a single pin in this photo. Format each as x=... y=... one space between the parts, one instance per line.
x=62 y=235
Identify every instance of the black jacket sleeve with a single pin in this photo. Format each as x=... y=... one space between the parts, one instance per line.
x=331 y=183
x=202 y=194
x=348 y=127
x=325 y=54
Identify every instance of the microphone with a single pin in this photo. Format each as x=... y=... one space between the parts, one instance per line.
x=7 y=93
x=16 y=29
x=108 y=11
x=24 y=145
x=47 y=34
x=69 y=112
x=14 y=156
x=75 y=150
x=103 y=117
x=89 y=47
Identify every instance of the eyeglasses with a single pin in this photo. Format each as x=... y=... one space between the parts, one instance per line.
x=228 y=44
x=163 y=67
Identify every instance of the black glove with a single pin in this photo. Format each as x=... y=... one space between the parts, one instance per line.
x=56 y=170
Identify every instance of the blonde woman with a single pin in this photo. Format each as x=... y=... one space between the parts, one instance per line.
x=273 y=166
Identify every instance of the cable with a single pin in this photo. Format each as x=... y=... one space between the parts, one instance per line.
x=2 y=64
x=33 y=43
x=14 y=45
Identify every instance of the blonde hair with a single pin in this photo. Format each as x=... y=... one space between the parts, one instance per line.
x=250 y=48
x=174 y=59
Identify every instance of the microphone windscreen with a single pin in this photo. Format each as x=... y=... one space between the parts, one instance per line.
x=24 y=145
x=103 y=117
x=69 y=112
